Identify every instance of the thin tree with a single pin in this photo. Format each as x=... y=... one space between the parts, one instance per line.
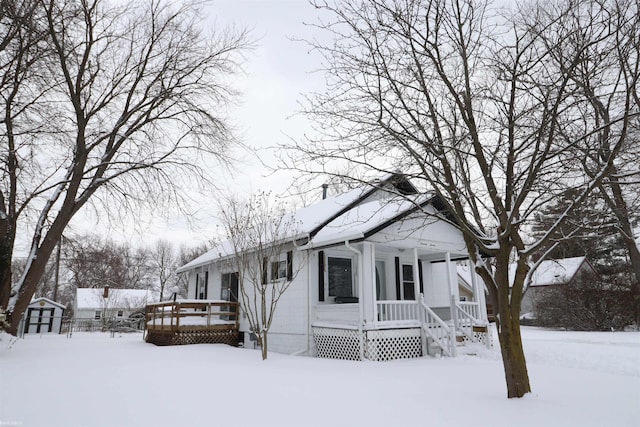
x=112 y=103
x=163 y=262
x=261 y=251
x=472 y=103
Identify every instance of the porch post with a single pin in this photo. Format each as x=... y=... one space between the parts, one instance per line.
x=369 y=283
x=452 y=294
x=478 y=293
x=416 y=273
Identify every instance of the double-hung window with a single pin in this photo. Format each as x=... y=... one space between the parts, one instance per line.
x=202 y=277
x=340 y=277
x=408 y=282
x=278 y=269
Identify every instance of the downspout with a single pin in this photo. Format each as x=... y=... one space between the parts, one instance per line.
x=360 y=295
x=309 y=331
x=307 y=350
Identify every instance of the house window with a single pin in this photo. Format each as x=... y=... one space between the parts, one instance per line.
x=201 y=284
x=408 y=282
x=340 y=277
x=120 y=313
x=97 y=315
x=229 y=287
x=278 y=270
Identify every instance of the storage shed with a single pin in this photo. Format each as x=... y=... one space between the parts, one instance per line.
x=43 y=316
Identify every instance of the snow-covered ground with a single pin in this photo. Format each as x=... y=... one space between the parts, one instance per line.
x=578 y=379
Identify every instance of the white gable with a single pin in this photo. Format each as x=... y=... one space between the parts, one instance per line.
x=46 y=301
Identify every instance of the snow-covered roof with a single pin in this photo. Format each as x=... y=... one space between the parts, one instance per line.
x=363 y=218
x=556 y=271
x=46 y=300
x=342 y=217
x=118 y=298
x=306 y=221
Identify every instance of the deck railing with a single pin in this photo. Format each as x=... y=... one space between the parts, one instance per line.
x=192 y=314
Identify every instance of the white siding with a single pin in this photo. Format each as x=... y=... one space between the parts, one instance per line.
x=436 y=287
x=47 y=314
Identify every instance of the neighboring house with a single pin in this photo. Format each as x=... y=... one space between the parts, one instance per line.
x=102 y=304
x=377 y=278
x=550 y=273
x=43 y=316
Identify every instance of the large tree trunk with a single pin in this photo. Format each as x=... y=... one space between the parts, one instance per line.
x=7 y=239
x=507 y=302
x=36 y=265
x=5 y=273
x=513 y=360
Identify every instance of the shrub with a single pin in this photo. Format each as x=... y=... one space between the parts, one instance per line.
x=585 y=304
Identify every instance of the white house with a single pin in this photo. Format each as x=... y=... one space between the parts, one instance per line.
x=107 y=303
x=377 y=278
x=552 y=272
x=43 y=316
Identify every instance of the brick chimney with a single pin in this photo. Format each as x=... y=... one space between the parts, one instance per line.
x=106 y=292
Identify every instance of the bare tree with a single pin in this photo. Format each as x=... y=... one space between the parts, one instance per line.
x=163 y=262
x=606 y=79
x=261 y=240
x=110 y=102
x=185 y=255
x=94 y=262
x=473 y=103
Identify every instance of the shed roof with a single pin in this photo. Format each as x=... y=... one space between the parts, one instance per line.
x=36 y=301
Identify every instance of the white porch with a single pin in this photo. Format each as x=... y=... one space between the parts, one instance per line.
x=367 y=327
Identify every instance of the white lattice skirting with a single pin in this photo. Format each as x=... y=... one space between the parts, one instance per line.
x=379 y=345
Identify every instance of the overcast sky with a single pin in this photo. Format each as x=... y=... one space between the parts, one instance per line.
x=277 y=71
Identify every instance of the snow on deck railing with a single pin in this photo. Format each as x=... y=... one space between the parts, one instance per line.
x=172 y=315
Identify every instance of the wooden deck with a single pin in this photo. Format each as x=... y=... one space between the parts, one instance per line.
x=192 y=322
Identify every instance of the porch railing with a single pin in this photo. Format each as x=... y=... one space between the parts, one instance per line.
x=465 y=322
x=471 y=308
x=437 y=329
x=394 y=311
